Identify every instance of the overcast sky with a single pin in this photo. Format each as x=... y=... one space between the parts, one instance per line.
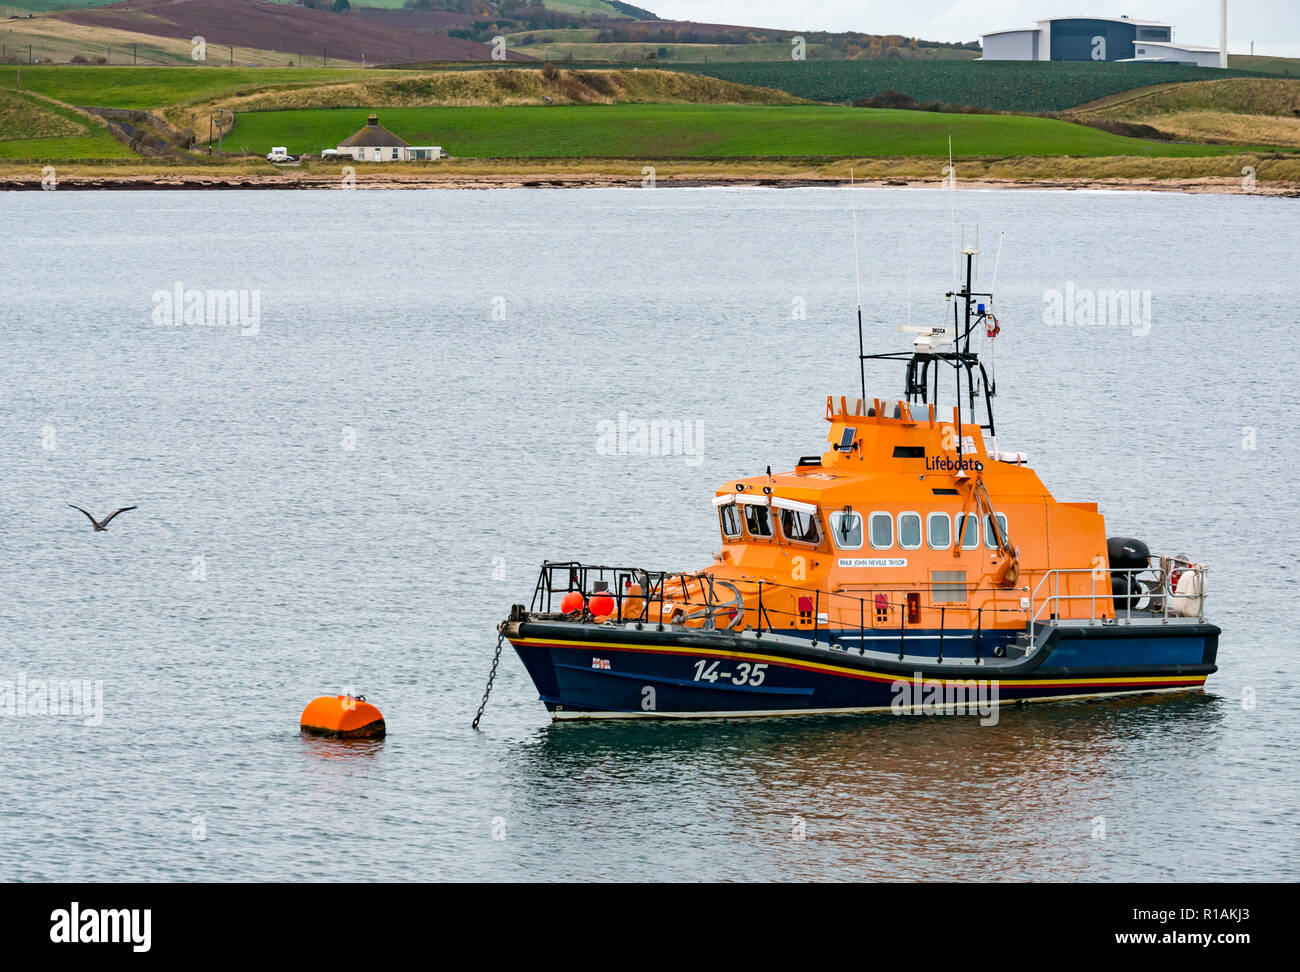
x=1274 y=25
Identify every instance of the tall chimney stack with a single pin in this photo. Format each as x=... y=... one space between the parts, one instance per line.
x=1223 y=33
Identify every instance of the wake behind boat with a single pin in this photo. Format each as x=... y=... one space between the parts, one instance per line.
x=912 y=565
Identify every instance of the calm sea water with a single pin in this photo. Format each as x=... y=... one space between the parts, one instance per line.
x=353 y=496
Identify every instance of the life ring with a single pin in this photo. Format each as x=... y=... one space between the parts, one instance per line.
x=1175 y=576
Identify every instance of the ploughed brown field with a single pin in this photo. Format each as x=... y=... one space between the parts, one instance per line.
x=292 y=29
x=430 y=20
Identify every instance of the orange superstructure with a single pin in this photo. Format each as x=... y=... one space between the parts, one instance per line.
x=893 y=527
x=892 y=509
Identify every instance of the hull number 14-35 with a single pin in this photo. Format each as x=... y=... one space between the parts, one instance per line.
x=745 y=673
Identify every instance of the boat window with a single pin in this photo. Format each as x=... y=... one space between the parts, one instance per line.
x=882 y=530
x=758 y=520
x=846 y=530
x=800 y=526
x=730 y=519
x=939 y=528
x=990 y=540
x=909 y=531
x=969 y=527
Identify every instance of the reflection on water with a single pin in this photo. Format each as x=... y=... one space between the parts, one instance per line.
x=880 y=796
x=346 y=751
x=877 y=737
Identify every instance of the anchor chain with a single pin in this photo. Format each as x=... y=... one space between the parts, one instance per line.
x=492 y=675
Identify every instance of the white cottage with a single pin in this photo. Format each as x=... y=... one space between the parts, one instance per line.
x=374 y=143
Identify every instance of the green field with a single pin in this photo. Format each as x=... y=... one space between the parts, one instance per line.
x=155 y=87
x=95 y=144
x=1283 y=67
x=1034 y=86
x=73 y=137
x=698 y=131
x=583 y=7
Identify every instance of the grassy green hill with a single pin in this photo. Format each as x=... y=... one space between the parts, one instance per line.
x=1257 y=110
x=154 y=87
x=587 y=7
x=1286 y=67
x=482 y=88
x=31 y=128
x=697 y=131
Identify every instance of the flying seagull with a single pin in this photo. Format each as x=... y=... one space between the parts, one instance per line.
x=102 y=525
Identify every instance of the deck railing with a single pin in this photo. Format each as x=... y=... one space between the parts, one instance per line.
x=1153 y=583
x=699 y=596
x=716 y=598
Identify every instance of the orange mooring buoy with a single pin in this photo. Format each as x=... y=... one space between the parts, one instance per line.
x=345 y=716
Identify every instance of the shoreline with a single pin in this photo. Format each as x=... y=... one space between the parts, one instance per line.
x=1276 y=177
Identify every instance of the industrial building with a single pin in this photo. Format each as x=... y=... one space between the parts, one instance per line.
x=1098 y=39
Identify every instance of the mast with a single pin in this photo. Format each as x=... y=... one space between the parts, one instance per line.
x=937 y=346
x=857 y=282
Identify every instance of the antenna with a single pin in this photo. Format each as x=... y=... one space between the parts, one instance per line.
x=993 y=284
x=952 y=211
x=857 y=281
x=909 y=274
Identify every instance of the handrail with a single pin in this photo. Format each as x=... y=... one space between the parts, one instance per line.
x=1136 y=588
x=656 y=587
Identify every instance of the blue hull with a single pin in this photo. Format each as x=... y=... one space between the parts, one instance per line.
x=594 y=671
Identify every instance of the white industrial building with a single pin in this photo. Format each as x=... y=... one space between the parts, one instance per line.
x=1083 y=38
x=1175 y=53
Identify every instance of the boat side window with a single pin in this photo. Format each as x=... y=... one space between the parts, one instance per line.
x=939 y=528
x=969 y=527
x=881 y=526
x=846 y=530
x=758 y=520
x=800 y=527
x=909 y=531
x=990 y=540
x=730 y=520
